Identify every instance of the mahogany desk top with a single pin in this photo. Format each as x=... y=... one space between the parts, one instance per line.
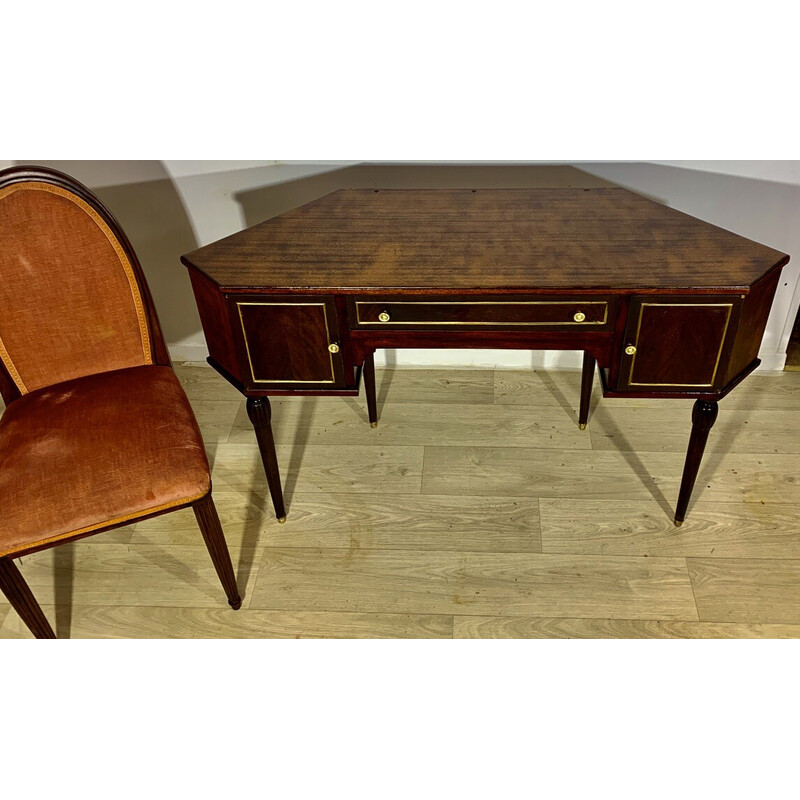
x=486 y=239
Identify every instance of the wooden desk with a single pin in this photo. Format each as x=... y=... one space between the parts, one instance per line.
x=664 y=304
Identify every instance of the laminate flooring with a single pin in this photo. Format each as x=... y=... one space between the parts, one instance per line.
x=475 y=509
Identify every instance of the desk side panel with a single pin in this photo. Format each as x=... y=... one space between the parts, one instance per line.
x=755 y=312
x=215 y=317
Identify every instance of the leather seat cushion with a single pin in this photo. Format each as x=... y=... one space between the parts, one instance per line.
x=96 y=451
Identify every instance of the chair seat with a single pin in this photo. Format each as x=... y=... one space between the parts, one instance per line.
x=97 y=451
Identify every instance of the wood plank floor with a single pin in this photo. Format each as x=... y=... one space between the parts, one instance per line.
x=476 y=509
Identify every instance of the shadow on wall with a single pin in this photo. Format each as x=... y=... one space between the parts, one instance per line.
x=269 y=201
x=153 y=216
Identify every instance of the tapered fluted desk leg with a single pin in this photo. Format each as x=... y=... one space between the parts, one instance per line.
x=369 y=389
x=704 y=415
x=258 y=409
x=587 y=379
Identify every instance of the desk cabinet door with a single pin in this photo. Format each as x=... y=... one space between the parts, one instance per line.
x=677 y=342
x=290 y=341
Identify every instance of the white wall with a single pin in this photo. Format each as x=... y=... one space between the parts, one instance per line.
x=171 y=207
x=778 y=171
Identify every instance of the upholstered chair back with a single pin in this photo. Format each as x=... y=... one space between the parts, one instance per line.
x=71 y=303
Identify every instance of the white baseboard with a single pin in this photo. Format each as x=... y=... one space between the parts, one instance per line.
x=484 y=359
x=187 y=352
x=772 y=362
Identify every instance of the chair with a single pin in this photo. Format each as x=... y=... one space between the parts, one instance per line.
x=98 y=431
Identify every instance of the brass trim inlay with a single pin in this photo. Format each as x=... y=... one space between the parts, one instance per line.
x=581 y=303
x=729 y=306
x=144 y=330
x=247 y=344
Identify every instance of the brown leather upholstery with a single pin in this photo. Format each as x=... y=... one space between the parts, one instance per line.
x=96 y=451
x=70 y=302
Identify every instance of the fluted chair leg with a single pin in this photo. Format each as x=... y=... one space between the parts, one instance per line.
x=22 y=600
x=208 y=520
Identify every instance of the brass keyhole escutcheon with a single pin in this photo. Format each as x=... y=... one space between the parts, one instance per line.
x=579 y=316
x=384 y=316
x=630 y=350
x=333 y=348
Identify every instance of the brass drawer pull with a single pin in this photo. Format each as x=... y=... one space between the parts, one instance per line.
x=579 y=316
x=333 y=347
x=630 y=350
x=384 y=316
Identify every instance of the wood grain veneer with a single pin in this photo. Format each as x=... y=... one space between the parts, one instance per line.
x=489 y=239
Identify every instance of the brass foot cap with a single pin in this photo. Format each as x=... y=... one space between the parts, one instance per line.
x=678 y=523
x=582 y=426
x=374 y=424
x=281 y=519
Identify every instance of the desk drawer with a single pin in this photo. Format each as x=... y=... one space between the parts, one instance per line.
x=512 y=314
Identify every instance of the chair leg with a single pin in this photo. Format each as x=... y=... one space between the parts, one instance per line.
x=208 y=520
x=22 y=600
x=587 y=379
x=369 y=389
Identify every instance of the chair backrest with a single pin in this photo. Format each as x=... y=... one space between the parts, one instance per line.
x=73 y=300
